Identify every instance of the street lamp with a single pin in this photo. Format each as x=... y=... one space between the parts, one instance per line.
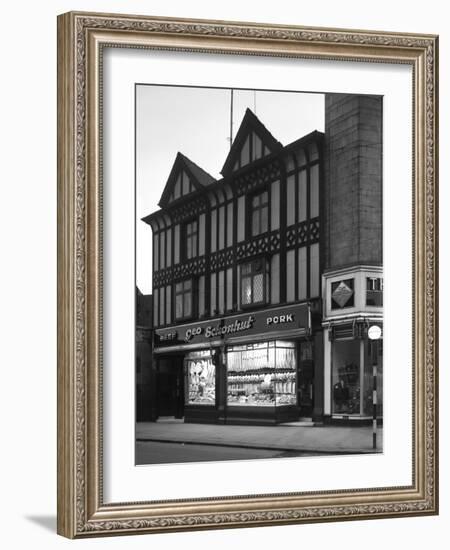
x=374 y=334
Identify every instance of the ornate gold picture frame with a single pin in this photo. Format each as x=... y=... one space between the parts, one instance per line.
x=82 y=40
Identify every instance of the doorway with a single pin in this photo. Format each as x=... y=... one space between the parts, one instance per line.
x=305 y=379
x=170 y=387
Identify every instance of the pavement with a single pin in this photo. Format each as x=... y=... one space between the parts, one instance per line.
x=152 y=452
x=295 y=437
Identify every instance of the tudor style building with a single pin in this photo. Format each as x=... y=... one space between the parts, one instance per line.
x=239 y=268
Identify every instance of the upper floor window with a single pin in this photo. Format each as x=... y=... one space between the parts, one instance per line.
x=260 y=213
x=191 y=239
x=183 y=299
x=253 y=282
x=374 y=291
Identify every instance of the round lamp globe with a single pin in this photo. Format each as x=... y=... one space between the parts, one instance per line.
x=374 y=332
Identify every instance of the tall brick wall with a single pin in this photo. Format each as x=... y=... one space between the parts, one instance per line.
x=353 y=180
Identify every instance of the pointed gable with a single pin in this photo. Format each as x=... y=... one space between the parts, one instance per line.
x=252 y=142
x=184 y=178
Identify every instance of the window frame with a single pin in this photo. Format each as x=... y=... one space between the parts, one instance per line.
x=374 y=291
x=193 y=236
x=251 y=211
x=183 y=292
x=265 y=282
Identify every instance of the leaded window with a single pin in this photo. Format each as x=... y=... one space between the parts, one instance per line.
x=253 y=282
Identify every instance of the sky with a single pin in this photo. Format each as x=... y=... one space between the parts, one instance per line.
x=196 y=122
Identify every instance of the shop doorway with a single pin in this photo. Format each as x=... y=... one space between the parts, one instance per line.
x=305 y=380
x=170 y=386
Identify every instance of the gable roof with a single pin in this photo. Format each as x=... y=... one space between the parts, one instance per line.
x=198 y=179
x=250 y=125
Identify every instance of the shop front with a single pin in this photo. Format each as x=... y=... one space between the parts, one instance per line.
x=352 y=356
x=242 y=369
x=353 y=304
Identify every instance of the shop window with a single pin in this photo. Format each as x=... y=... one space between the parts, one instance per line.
x=201 y=378
x=191 y=236
x=253 y=282
x=183 y=299
x=346 y=388
x=259 y=213
x=353 y=383
x=262 y=374
x=374 y=291
x=343 y=294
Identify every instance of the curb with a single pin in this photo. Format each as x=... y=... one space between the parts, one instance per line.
x=260 y=447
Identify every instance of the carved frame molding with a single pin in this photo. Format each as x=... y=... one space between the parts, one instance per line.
x=81 y=37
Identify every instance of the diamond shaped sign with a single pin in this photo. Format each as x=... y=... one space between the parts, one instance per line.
x=342 y=294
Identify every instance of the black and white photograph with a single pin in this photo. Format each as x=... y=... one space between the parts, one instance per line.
x=259 y=274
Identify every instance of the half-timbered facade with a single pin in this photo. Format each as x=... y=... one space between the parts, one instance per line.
x=244 y=247
x=266 y=280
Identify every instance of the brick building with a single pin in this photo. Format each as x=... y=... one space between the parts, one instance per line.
x=266 y=280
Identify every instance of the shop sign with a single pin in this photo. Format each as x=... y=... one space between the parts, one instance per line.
x=342 y=293
x=273 y=320
x=220 y=329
